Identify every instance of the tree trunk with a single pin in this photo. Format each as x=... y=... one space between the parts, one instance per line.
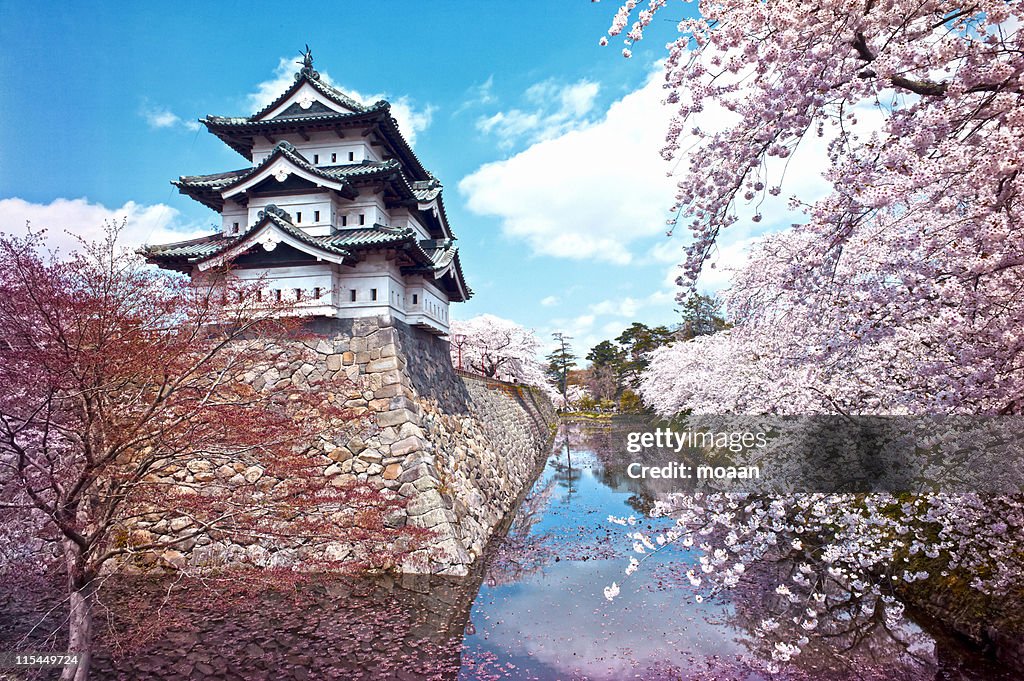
x=81 y=597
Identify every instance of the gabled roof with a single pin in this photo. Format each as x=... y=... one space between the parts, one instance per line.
x=445 y=267
x=339 y=247
x=238 y=132
x=210 y=189
x=308 y=76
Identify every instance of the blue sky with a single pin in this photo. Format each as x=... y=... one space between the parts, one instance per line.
x=547 y=143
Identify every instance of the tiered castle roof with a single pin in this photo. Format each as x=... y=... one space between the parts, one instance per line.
x=399 y=178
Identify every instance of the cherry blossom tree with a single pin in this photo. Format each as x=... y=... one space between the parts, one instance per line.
x=900 y=292
x=127 y=405
x=498 y=348
x=914 y=259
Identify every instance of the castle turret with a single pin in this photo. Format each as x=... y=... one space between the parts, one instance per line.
x=335 y=214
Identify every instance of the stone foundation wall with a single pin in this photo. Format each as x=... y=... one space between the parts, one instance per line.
x=460 y=451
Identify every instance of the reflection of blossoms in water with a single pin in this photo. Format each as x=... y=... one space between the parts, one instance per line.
x=522 y=552
x=830 y=569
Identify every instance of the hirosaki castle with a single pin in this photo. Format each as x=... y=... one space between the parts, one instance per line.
x=335 y=214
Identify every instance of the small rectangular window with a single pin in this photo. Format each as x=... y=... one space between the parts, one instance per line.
x=316 y=158
x=334 y=158
x=277 y=295
x=415 y=299
x=344 y=221
x=362 y=219
x=259 y=296
x=234 y=228
x=298 y=294
x=351 y=155
x=373 y=294
x=298 y=216
x=316 y=216
x=352 y=295
x=316 y=292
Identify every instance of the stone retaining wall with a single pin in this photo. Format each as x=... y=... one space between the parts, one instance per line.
x=460 y=451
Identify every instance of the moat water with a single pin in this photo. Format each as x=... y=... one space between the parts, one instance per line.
x=535 y=610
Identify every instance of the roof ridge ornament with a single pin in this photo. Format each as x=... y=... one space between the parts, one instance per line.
x=307 y=69
x=272 y=209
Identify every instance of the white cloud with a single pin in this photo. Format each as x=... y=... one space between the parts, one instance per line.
x=479 y=95
x=589 y=193
x=64 y=219
x=162 y=117
x=549 y=301
x=411 y=119
x=554 y=109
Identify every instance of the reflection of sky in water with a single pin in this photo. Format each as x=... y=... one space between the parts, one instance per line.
x=541 y=612
x=556 y=623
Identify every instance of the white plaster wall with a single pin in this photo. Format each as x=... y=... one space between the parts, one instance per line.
x=320 y=146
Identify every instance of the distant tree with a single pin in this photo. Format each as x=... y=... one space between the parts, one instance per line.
x=701 y=316
x=605 y=354
x=560 y=361
x=602 y=381
x=123 y=391
x=637 y=341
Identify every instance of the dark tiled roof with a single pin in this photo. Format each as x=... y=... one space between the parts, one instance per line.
x=192 y=249
x=426 y=190
x=331 y=93
x=249 y=122
x=343 y=243
x=207 y=188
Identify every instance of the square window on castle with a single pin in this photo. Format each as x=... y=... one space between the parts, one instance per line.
x=316 y=216
x=373 y=294
x=352 y=295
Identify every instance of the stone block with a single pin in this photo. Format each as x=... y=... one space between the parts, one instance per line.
x=339 y=454
x=388 y=391
x=395 y=418
x=385 y=364
x=334 y=362
x=347 y=358
x=429 y=519
x=406 y=446
x=371 y=455
x=392 y=471
x=403 y=402
x=424 y=503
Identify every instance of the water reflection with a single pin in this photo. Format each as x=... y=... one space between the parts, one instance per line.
x=553 y=622
x=535 y=610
